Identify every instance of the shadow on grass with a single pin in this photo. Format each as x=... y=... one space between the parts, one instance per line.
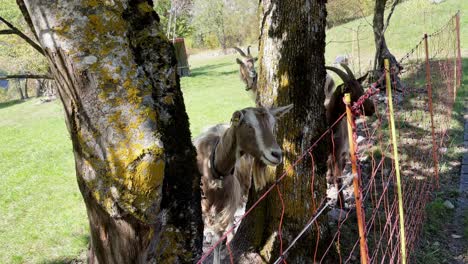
x=11 y=103
x=208 y=70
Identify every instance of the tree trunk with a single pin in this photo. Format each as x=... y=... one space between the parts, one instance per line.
x=135 y=163
x=26 y=96
x=39 y=87
x=381 y=49
x=20 y=91
x=292 y=48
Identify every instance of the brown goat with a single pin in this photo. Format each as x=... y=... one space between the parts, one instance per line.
x=228 y=157
x=247 y=69
x=334 y=109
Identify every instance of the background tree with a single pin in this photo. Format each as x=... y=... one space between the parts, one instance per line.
x=175 y=14
x=16 y=53
x=290 y=72
x=381 y=49
x=135 y=163
x=230 y=22
x=22 y=53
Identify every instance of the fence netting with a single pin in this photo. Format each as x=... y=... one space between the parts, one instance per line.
x=424 y=91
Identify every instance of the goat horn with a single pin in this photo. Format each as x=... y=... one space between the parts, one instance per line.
x=248 y=50
x=339 y=72
x=240 y=51
x=348 y=71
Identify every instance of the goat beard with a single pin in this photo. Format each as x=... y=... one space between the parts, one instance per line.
x=262 y=174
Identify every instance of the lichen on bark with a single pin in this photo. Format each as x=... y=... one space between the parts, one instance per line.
x=125 y=114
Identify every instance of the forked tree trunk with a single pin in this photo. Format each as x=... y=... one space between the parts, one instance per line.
x=135 y=163
x=291 y=55
x=382 y=51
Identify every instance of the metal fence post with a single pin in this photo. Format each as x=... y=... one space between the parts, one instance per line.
x=357 y=189
x=397 y=163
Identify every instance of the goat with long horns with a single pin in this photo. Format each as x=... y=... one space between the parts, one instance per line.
x=247 y=69
x=334 y=109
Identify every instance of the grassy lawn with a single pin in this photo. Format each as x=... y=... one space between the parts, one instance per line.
x=42 y=216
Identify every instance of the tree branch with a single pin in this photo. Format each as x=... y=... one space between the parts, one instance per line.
x=18 y=32
x=26 y=76
x=395 y=3
x=7 y=32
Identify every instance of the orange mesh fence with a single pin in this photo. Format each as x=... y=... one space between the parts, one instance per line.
x=423 y=97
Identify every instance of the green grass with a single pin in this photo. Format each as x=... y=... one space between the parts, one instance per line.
x=42 y=216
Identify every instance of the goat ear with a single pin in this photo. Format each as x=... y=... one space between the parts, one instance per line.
x=362 y=78
x=236 y=118
x=280 y=111
x=239 y=61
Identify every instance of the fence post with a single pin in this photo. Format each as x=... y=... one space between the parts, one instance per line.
x=435 y=157
x=459 y=66
x=357 y=189
x=397 y=162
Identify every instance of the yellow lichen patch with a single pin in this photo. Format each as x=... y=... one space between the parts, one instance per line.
x=284 y=80
x=172 y=250
x=134 y=95
x=149 y=113
x=147 y=175
x=91 y=3
x=98 y=23
x=63 y=29
x=97 y=195
x=267 y=250
x=145 y=7
x=168 y=99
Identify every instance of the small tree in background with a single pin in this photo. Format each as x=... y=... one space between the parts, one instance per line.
x=175 y=14
x=381 y=49
x=232 y=22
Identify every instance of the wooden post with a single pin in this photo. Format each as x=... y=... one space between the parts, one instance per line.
x=435 y=157
x=357 y=190
x=397 y=162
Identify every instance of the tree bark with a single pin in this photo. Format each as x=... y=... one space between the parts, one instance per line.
x=39 y=87
x=291 y=71
x=135 y=163
x=18 y=86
